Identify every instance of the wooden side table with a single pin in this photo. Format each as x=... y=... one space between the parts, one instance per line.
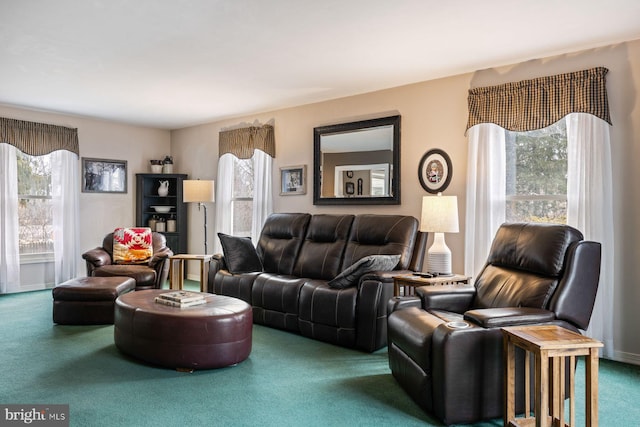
x=176 y=275
x=408 y=282
x=550 y=345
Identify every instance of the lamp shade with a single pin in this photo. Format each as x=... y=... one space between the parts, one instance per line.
x=195 y=190
x=439 y=214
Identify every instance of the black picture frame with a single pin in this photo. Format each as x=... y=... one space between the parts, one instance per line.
x=435 y=171
x=104 y=175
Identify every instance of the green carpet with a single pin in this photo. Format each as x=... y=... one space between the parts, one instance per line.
x=288 y=380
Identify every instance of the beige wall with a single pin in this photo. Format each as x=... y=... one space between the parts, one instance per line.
x=434 y=115
x=100 y=213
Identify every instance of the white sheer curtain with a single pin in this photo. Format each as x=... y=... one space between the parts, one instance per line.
x=224 y=194
x=65 y=182
x=590 y=209
x=9 y=249
x=262 y=192
x=486 y=177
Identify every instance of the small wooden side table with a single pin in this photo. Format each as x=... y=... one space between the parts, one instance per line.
x=550 y=344
x=176 y=275
x=408 y=282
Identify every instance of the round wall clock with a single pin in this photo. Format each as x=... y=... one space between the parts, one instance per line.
x=435 y=171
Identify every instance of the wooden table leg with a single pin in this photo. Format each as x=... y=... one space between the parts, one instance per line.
x=509 y=382
x=542 y=389
x=592 y=387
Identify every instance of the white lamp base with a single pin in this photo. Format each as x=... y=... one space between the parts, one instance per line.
x=439 y=256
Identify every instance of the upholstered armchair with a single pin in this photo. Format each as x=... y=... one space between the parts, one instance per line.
x=148 y=275
x=445 y=344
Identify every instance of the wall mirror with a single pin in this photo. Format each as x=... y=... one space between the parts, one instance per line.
x=357 y=163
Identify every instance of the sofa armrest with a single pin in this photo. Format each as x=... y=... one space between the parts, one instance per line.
x=159 y=257
x=454 y=298
x=508 y=316
x=97 y=257
x=371 y=314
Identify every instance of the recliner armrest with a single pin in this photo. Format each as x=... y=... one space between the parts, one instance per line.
x=399 y=303
x=454 y=298
x=508 y=316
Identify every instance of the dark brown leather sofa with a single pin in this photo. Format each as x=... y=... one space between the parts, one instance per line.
x=150 y=275
x=535 y=274
x=301 y=253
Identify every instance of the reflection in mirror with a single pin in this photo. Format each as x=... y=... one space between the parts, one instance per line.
x=358 y=162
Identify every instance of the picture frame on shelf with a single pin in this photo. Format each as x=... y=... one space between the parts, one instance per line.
x=435 y=171
x=293 y=180
x=104 y=175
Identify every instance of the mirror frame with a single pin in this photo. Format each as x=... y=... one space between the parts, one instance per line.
x=394 y=199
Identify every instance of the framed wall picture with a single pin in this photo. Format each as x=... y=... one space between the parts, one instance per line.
x=104 y=176
x=435 y=171
x=293 y=180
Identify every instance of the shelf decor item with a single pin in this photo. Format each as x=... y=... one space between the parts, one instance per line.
x=156 y=166
x=163 y=189
x=167 y=165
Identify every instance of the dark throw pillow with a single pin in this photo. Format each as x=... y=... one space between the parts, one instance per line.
x=351 y=275
x=239 y=254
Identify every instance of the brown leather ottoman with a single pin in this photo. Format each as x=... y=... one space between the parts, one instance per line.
x=88 y=300
x=211 y=335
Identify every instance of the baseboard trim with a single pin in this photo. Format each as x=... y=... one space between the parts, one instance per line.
x=621 y=356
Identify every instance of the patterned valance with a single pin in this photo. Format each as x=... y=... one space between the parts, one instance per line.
x=242 y=142
x=538 y=103
x=37 y=139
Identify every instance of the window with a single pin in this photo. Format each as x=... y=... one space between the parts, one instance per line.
x=35 y=216
x=242 y=197
x=536 y=175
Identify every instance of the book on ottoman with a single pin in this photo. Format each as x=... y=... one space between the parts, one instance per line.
x=180 y=299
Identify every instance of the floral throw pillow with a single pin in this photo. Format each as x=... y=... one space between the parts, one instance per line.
x=132 y=245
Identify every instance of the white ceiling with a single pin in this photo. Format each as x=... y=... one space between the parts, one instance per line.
x=171 y=64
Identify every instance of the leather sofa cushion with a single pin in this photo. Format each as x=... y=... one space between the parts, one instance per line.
x=280 y=241
x=240 y=255
x=321 y=304
x=323 y=247
x=142 y=274
x=381 y=235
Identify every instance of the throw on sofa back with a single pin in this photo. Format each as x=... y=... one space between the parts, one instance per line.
x=323 y=247
x=381 y=235
x=525 y=265
x=280 y=241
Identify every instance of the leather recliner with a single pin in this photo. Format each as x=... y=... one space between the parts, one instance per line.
x=150 y=275
x=535 y=274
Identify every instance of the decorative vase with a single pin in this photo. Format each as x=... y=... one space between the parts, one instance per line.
x=167 y=165
x=163 y=190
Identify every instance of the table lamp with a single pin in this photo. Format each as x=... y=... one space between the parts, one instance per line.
x=201 y=192
x=439 y=216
